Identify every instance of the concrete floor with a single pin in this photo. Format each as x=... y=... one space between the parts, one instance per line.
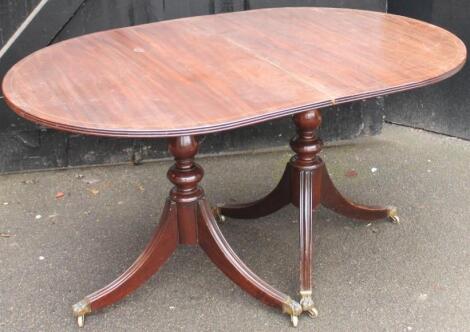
x=380 y=277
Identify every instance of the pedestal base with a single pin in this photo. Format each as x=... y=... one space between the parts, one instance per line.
x=187 y=218
x=306 y=184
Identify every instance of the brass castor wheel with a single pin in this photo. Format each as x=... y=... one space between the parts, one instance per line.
x=81 y=321
x=393 y=215
x=295 y=320
x=219 y=217
x=80 y=309
x=306 y=302
x=312 y=312
x=395 y=220
x=294 y=309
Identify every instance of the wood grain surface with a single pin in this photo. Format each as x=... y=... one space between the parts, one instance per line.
x=212 y=73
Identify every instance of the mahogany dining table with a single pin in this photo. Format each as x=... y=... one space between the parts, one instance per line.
x=182 y=78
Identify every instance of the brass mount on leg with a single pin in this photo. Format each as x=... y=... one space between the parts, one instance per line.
x=306 y=302
x=80 y=309
x=292 y=308
x=392 y=214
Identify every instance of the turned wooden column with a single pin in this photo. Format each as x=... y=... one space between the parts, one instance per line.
x=306 y=168
x=306 y=143
x=185 y=174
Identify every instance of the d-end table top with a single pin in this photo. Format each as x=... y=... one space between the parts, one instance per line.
x=212 y=73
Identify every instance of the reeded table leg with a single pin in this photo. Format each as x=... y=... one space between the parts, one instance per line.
x=306 y=213
x=306 y=196
x=272 y=202
x=157 y=252
x=332 y=199
x=222 y=255
x=306 y=184
x=186 y=219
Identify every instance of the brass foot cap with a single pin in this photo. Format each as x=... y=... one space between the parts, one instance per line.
x=392 y=214
x=307 y=304
x=292 y=308
x=219 y=217
x=80 y=309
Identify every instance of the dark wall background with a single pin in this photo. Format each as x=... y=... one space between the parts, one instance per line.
x=445 y=107
x=26 y=146
x=12 y=13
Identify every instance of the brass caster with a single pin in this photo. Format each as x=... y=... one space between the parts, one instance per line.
x=81 y=321
x=395 y=220
x=295 y=320
x=312 y=312
x=393 y=215
x=307 y=303
x=219 y=217
x=292 y=308
x=80 y=309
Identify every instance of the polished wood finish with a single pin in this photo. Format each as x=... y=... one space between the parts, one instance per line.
x=306 y=184
x=332 y=199
x=267 y=205
x=305 y=191
x=157 y=252
x=206 y=74
x=217 y=248
x=187 y=218
x=211 y=73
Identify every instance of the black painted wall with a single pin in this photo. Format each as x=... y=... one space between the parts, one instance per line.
x=444 y=107
x=25 y=146
x=12 y=13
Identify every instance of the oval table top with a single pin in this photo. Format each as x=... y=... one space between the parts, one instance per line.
x=211 y=73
